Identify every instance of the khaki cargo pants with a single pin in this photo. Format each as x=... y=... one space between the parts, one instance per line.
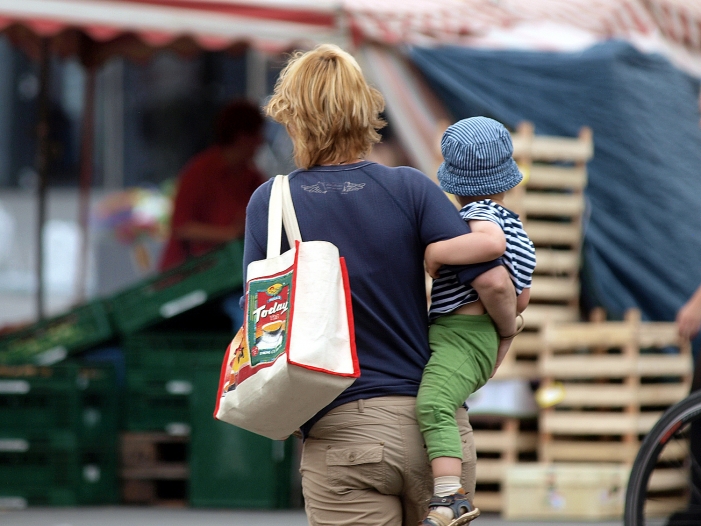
x=365 y=464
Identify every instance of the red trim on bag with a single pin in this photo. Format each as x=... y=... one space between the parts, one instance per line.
x=222 y=379
x=291 y=300
x=349 y=311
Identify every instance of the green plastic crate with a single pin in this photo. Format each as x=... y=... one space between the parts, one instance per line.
x=223 y=457
x=175 y=350
x=21 y=497
x=99 y=479
x=34 y=397
x=35 y=459
x=67 y=396
x=160 y=376
x=38 y=465
x=158 y=413
x=179 y=289
x=52 y=340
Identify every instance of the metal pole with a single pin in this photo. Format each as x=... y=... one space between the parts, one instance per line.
x=86 y=172
x=42 y=163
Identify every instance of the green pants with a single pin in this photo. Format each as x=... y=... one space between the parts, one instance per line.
x=463 y=354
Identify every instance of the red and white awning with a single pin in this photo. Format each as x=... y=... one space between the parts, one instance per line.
x=678 y=20
x=671 y=27
x=211 y=24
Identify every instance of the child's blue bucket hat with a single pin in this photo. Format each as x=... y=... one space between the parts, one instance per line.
x=478 y=160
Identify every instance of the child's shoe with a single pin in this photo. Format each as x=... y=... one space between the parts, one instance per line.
x=453 y=510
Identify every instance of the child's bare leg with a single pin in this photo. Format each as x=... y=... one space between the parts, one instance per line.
x=446 y=467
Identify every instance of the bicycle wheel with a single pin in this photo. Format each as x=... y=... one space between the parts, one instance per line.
x=664 y=487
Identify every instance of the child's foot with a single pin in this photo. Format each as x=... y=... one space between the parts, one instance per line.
x=453 y=510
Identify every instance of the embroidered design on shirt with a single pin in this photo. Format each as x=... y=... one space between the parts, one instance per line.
x=322 y=188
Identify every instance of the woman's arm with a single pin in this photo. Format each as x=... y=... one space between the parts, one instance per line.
x=196 y=231
x=486 y=242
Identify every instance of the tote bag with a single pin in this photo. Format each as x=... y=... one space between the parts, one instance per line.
x=296 y=350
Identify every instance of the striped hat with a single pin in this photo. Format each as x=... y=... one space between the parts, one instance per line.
x=478 y=160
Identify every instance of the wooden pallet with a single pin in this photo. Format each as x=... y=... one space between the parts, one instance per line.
x=550 y=204
x=618 y=377
x=500 y=442
x=154 y=469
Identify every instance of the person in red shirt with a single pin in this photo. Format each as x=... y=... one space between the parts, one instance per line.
x=214 y=187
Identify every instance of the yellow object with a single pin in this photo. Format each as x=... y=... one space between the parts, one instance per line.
x=525 y=169
x=550 y=395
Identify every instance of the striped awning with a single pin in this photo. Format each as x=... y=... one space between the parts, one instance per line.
x=679 y=20
x=459 y=21
x=671 y=27
x=209 y=24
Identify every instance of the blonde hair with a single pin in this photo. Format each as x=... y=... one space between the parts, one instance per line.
x=327 y=107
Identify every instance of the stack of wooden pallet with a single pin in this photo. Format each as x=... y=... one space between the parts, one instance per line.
x=154 y=469
x=550 y=204
x=609 y=383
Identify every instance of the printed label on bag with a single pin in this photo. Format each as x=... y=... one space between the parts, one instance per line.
x=266 y=325
x=264 y=335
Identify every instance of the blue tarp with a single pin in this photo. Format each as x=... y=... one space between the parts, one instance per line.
x=642 y=243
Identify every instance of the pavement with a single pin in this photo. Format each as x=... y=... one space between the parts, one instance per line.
x=140 y=516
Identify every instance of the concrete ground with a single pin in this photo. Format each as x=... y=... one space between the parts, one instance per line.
x=133 y=516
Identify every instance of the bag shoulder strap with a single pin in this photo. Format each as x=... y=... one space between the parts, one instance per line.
x=281 y=211
x=289 y=218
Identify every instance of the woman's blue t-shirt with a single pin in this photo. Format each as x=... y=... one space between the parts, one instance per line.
x=381 y=219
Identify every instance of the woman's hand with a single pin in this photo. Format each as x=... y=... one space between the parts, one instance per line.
x=689 y=316
x=503 y=348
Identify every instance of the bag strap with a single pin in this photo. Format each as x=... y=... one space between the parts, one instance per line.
x=289 y=218
x=275 y=219
x=281 y=211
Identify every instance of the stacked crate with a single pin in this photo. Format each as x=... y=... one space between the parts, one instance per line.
x=58 y=435
x=178 y=290
x=53 y=340
x=173 y=451
x=613 y=381
x=160 y=383
x=550 y=204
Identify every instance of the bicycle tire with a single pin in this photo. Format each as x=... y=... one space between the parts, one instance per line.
x=672 y=420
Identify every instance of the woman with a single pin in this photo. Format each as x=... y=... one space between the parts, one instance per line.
x=363 y=461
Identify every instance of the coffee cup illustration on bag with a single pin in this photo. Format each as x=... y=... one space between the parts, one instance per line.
x=273 y=333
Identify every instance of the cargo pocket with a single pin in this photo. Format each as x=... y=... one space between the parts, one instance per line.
x=356 y=467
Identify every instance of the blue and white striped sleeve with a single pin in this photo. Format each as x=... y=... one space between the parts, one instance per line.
x=481 y=211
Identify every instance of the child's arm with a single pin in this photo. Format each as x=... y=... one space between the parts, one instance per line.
x=486 y=242
x=522 y=300
x=504 y=344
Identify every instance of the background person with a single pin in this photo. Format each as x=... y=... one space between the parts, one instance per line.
x=689 y=323
x=363 y=461
x=213 y=190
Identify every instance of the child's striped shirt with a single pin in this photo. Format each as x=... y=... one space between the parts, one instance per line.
x=448 y=294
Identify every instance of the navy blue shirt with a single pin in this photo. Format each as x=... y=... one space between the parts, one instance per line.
x=381 y=219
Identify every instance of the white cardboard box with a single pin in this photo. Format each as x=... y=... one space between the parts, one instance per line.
x=586 y=491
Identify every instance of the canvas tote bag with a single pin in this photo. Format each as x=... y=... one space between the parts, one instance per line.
x=296 y=350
